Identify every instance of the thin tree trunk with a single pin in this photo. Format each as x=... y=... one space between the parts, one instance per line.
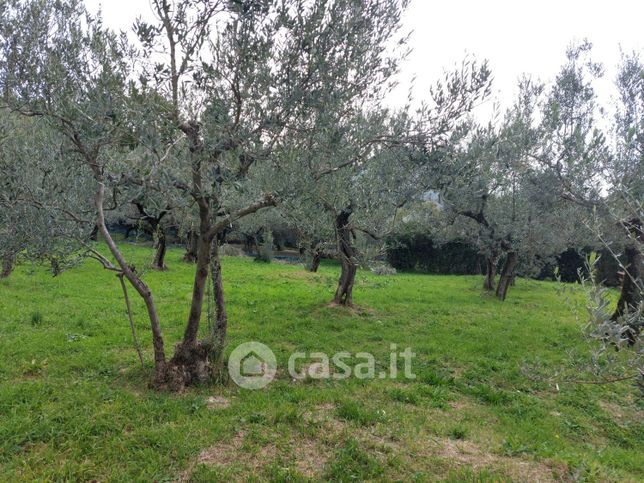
x=491 y=262
x=137 y=283
x=344 y=292
x=131 y=319
x=7 y=266
x=191 y=361
x=159 y=257
x=198 y=290
x=506 y=275
x=56 y=269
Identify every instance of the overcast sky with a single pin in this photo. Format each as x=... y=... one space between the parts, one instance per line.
x=517 y=36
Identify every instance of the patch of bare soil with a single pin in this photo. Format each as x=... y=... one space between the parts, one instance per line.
x=307 y=455
x=311 y=457
x=226 y=452
x=469 y=453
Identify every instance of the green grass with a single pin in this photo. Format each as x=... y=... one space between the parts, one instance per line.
x=75 y=403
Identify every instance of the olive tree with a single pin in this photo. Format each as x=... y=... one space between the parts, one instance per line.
x=626 y=175
x=489 y=180
x=43 y=215
x=362 y=166
x=231 y=84
x=618 y=225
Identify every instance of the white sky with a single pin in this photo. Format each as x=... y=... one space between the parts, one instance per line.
x=517 y=36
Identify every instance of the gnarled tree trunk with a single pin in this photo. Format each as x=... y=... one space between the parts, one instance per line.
x=347 y=252
x=159 y=256
x=190 y=363
x=507 y=274
x=491 y=262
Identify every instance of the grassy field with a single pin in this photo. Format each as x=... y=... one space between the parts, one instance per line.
x=75 y=405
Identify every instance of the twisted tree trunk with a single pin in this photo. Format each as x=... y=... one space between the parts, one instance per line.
x=190 y=363
x=159 y=257
x=491 y=262
x=347 y=252
x=507 y=274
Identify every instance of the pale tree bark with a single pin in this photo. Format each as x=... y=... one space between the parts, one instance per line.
x=138 y=284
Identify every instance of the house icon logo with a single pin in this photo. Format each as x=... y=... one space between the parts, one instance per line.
x=252 y=365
